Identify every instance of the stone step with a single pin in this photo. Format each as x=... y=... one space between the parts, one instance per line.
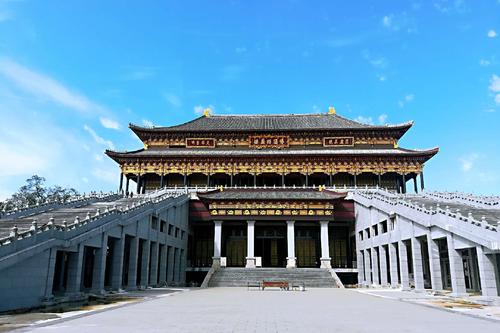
x=239 y=277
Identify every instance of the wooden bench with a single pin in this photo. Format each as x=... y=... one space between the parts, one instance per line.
x=283 y=285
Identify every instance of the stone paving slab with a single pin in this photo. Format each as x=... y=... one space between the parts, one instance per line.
x=239 y=310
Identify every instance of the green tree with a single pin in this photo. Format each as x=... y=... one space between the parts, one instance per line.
x=35 y=192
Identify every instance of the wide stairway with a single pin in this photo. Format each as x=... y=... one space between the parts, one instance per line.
x=239 y=277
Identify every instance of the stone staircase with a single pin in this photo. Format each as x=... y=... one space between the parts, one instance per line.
x=239 y=277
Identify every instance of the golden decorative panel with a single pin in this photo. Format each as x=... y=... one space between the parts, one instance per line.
x=338 y=141
x=200 y=143
x=268 y=141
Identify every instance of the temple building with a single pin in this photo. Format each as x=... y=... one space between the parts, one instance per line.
x=272 y=150
x=312 y=200
x=270 y=206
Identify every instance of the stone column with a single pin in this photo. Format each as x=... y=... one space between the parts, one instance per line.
x=325 y=247
x=75 y=265
x=138 y=181
x=153 y=274
x=383 y=265
x=52 y=255
x=146 y=248
x=250 y=244
x=117 y=263
x=375 y=265
x=434 y=263
x=217 y=243
x=487 y=268
x=393 y=265
x=415 y=187
x=368 y=277
x=121 y=182
x=132 y=263
x=291 y=260
x=182 y=266
x=456 y=269
x=163 y=264
x=162 y=183
x=422 y=187
x=177 y=265
x=403 y=266
x=98 y=274
x=360 y=266
x=170 y=264
x=418 y=267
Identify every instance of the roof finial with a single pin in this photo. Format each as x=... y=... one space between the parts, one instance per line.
x=331 y=110
x=207 y=112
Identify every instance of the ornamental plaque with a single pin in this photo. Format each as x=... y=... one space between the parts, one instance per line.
x=268 y=141
x=338 y=141
x=200 y=143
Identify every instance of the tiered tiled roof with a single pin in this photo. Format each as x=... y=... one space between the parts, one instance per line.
x=270 y=194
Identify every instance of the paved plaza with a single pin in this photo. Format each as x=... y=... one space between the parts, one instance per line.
x=239 y=310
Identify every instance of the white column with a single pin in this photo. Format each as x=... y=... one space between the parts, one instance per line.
x=290 y=236
x=250 y=244
x=403 y=266
x=383 y=265
x=368 y=277
x=217 y=243
x=487 y=268
x=418 y=267
x=456 y=269
x=375 y=265
x=360 y=266
x=325 y=247
x=434 y=263
x=393 y=265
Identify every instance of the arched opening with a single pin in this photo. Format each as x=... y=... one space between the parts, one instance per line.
x=295 y=179
x=343 y=179
x=220 y=179
x=197 y=179
x=318 y=178
x=269 y=179
x=243 y=179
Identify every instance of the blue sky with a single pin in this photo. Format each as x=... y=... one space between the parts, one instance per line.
x=73 y=74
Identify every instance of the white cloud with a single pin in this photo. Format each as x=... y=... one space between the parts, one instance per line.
x=484 y=62
x=495 y=88
x=387 y=21
x=494 y=83
x=240 y=50
x=45 y=87
x=382 y=119
x=85 y=180
x=382 y=78
x=99 y=139
x=492 y=34
x=364 y=120
x=199 y=109
x=109 y=175
x=147 y=123
x=173 y=100
x=376 y=61
x=408 y=98
x=109 y=123
x=468 y=161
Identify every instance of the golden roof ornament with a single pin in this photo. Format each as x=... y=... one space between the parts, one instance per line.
x=207 y=112
x=331 y=110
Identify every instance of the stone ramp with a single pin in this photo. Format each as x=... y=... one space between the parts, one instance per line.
x=60 y=215
x=239 y=277
x=492 y=216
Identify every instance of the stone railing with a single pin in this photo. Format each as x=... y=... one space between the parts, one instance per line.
x=36 y=228
x=49 y=205
x=393 y=199
x=491 y=202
